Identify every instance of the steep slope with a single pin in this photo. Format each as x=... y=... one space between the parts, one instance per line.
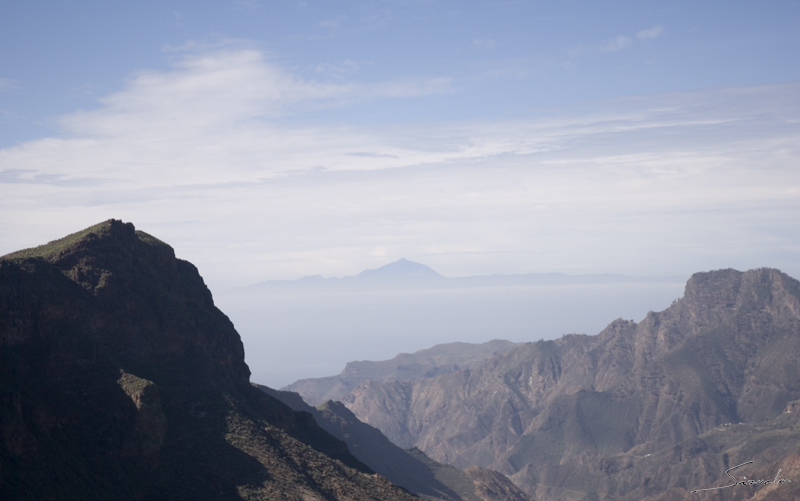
x=121 y=380
x=728 y=351
x=411 y=469
x=439 y=359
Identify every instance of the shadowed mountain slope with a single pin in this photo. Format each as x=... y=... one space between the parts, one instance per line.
x=727 y=352
x=119 y=379
x=410 y=469
x=422 y=364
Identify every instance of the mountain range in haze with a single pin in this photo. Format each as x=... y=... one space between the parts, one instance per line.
x=379 y=313
x=648 y=410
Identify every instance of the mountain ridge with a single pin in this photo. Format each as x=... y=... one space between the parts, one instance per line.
x=726 y=352
x=430 y=362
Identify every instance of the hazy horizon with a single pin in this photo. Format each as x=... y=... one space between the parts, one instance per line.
x=282 y=139
x=278 y=140
x=302 y=329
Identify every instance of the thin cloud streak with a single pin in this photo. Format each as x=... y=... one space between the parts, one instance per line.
x=618 y=43
x=650 y=33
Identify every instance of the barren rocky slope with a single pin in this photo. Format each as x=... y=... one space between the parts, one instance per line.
x=119 y=379
x=727 y=352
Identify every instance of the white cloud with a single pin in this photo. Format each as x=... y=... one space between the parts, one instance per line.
x=201 y=157
x=650 y=33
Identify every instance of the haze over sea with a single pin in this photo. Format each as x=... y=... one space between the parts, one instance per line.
x=308 y=328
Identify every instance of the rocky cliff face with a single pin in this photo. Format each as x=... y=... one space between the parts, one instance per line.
x=121 y=380
x=727 y=352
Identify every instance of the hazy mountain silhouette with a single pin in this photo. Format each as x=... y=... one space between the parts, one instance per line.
x=575 y=417
x=401 y=269
x=122 y=380
x=404 y=273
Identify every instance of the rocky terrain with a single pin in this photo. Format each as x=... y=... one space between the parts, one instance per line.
x=410 y=469
x=422 y=364
x=575 y=418
x=120 y=379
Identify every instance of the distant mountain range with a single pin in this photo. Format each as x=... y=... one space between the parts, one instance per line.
x=404 y=273
x=640 y=411
x=650 y=411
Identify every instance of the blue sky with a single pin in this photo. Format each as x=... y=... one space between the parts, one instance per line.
x=270 y=140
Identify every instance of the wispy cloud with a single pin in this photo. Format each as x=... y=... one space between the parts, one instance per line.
x=223 y=87
x=345 y=69
x=578 y=191
x=650 y=33
x=617 y=43
x=333 y=23
x=484 y=43
x=8 y=84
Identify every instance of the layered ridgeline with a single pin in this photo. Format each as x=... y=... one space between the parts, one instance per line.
x=639 y=411
x=440 y=359
x=122 y=380
x=410 y=469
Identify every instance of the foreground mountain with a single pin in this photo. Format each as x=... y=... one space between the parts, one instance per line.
x=553 y=415
x=121 y=380
x=422 y=364
x=410 y=469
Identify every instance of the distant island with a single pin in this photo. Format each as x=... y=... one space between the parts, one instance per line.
x=408 y=274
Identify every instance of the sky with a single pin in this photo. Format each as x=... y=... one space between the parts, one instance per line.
x=277 y=139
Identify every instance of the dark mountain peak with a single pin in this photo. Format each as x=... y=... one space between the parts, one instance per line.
x=111 y=251
x=109 y=235
x=402 y=269
x=145 y=304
